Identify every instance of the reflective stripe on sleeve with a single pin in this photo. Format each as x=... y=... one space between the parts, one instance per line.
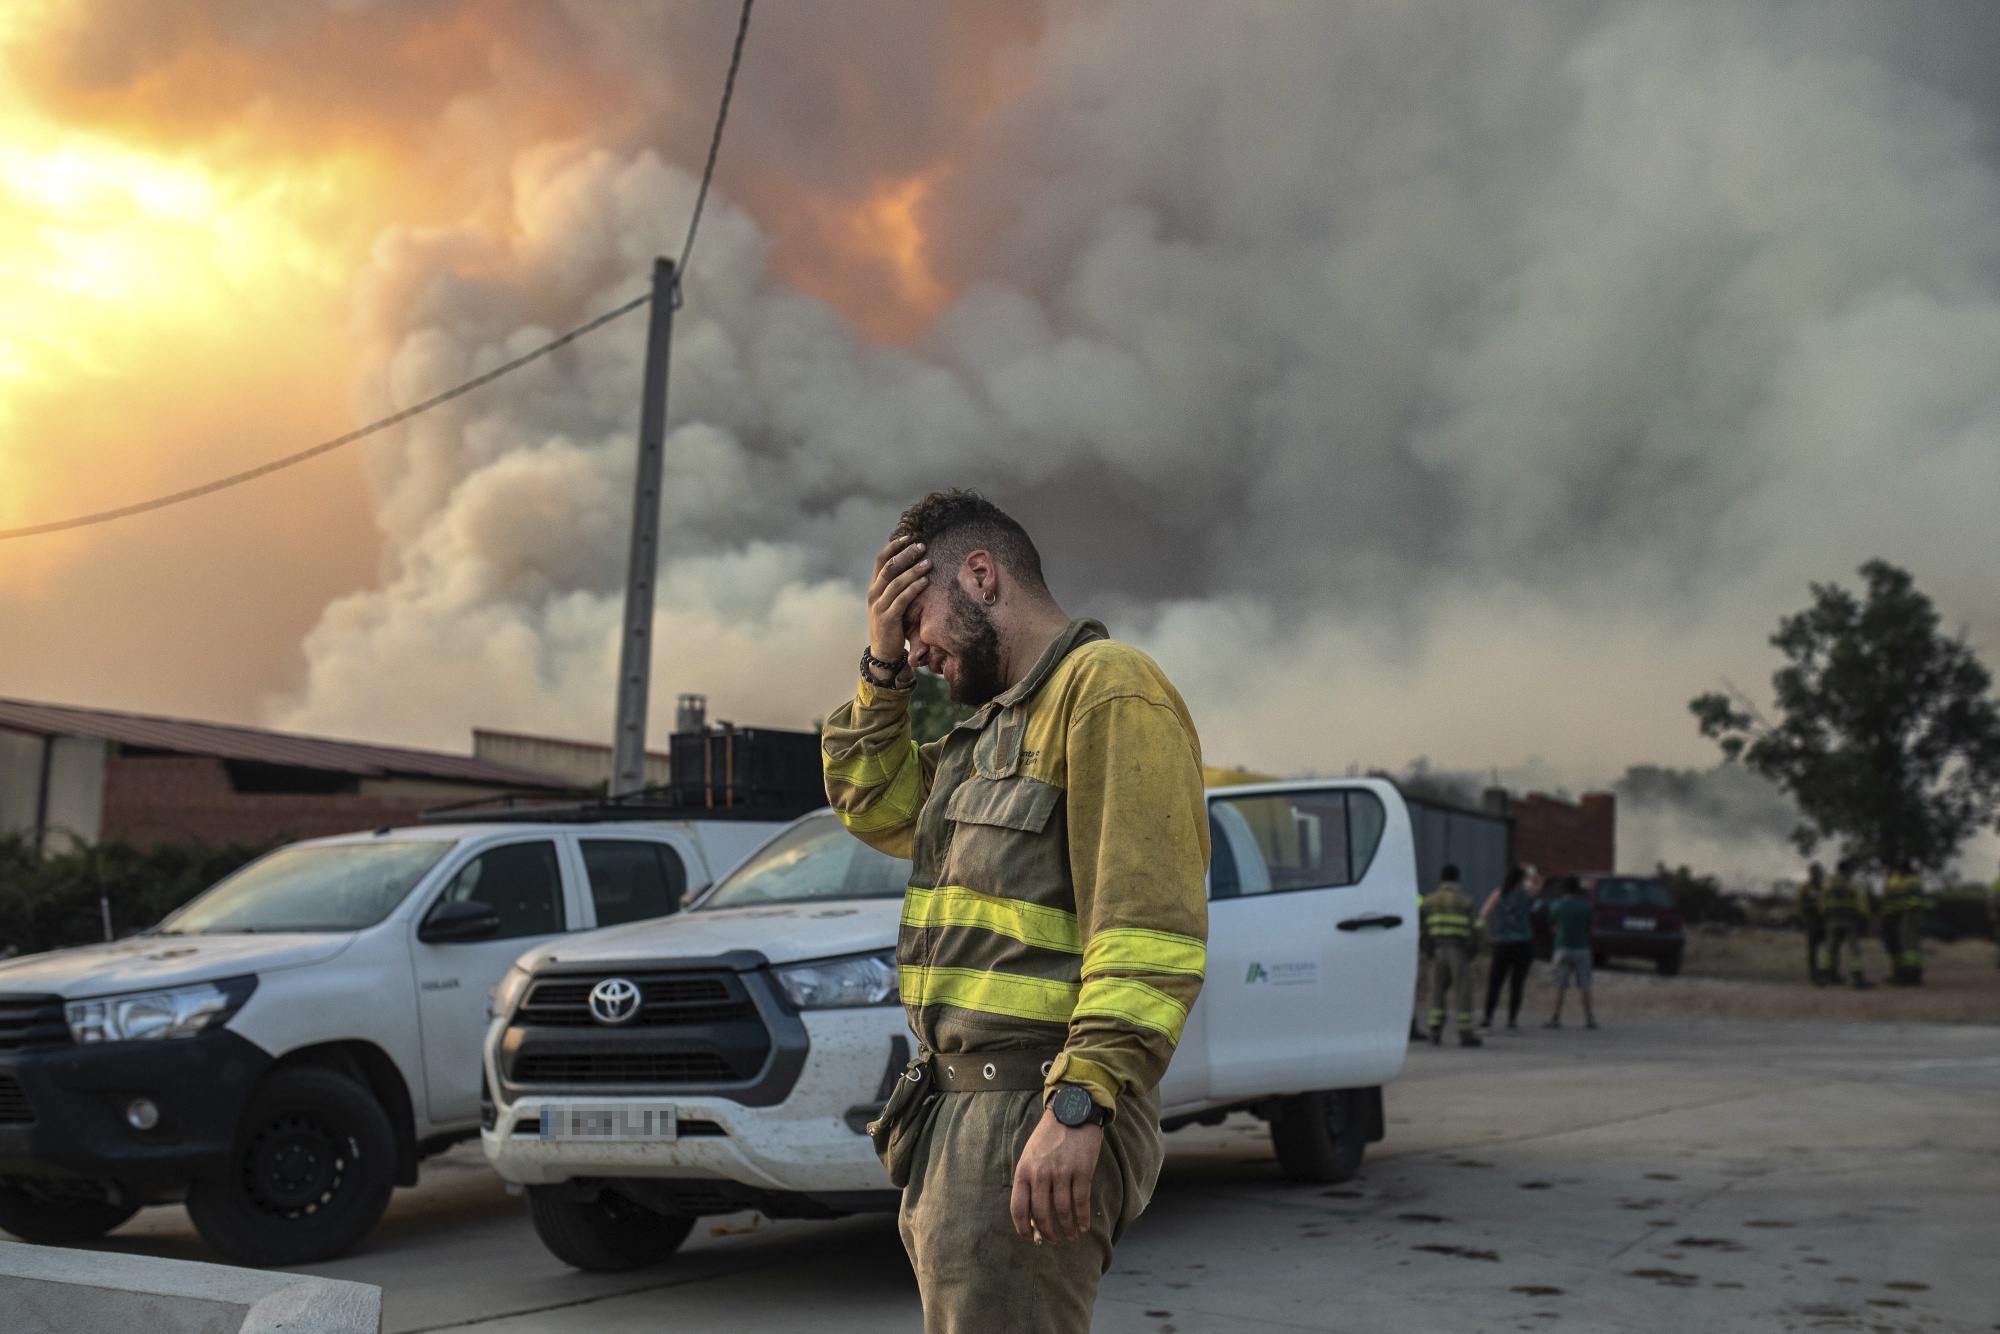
x=1136 y=1003
x=1029 y=923
x=1138 y=949
x=898 y=804
x=991 y=993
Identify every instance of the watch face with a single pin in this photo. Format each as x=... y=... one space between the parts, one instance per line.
x=1071 y=1105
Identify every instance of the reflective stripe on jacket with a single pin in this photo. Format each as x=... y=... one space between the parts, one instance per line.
x=1903 y=893
x=1809 y=901
x=1843 y=901
x=1059 y=839
x=1445 y=913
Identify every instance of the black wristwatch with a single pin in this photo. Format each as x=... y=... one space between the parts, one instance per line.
x=1074 y=1107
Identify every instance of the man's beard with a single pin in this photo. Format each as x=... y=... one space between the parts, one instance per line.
x=977 y=649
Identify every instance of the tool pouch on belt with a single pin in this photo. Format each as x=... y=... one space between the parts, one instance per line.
x=894 y=1133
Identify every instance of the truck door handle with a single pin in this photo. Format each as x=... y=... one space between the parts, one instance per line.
x=1386 y=921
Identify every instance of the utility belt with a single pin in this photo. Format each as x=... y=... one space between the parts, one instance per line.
x=928 y=1077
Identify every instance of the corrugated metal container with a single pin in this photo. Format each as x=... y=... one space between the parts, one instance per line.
x=1480 y=844
x=757 y=767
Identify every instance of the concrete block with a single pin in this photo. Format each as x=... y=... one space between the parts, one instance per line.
x=47 y=1290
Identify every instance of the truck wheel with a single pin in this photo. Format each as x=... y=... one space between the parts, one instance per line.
x=311 y=1172
x=58 y=1222
x=1320 y=1137
x=1668 y=964
x=605 y=1234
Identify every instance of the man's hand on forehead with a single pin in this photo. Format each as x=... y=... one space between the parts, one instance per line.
x=902 y=573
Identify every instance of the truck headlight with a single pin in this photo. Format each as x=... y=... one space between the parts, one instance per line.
x=506 y=993
x=180 y=1012
x=830 y=984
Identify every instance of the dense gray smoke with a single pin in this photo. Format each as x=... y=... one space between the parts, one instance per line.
x=1479 y=381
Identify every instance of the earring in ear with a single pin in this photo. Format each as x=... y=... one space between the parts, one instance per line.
x=991 y=598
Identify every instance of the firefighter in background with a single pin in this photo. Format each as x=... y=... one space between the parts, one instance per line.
x=1903 y=910
x=1812 y=920
x=1444 y=924
x=1993 y=917
x=1845 y=909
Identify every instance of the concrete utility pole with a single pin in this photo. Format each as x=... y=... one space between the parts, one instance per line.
x=635 y=656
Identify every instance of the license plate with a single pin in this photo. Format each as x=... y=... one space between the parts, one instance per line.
x=623 y=1121
x=1638 y=924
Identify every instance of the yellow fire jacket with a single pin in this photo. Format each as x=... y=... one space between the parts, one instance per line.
x=1845 y=901
x=1059 y=840
x=1808 y=900
x=1903 y=893
x=1445 y=914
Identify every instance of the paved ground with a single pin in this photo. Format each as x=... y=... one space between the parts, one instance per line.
x=1663 y=1174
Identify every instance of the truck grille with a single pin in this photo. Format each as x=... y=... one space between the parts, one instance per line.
x=666 y=1000
x=31 y=1020
x=692 y=1029
x=14 y=1108
x=683 y=1067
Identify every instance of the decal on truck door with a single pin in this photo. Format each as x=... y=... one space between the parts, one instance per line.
x=1304 y=973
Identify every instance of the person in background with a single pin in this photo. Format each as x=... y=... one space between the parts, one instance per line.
x=1844 y=906
x=1444 y=933
x=1570 y=918
x=1812 y=921
x=1993 y=917
x=1508 y=924
x=1903 y=904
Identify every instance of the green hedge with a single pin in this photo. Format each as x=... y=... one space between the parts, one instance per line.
x=58 y=902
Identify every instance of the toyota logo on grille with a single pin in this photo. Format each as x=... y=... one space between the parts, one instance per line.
x=614 y=1001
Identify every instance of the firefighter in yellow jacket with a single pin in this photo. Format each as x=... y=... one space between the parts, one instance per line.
x=1444 y=933
x=1844 y=904
x=1904 y=908
x=1810 y=907
x=1054 y=932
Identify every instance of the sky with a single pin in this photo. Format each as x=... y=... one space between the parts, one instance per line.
x=1475 y=383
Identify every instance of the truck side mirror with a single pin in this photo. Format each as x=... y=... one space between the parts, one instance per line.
x=459 y=921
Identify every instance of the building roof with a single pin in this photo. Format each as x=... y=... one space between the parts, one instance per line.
x=227 y=742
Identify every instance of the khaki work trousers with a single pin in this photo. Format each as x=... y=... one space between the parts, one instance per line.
x=1843 y=936
x=976 y=1274
x=1910 y=939
x=1451 y=973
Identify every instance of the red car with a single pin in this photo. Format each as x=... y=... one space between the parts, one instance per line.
x=1634 y=917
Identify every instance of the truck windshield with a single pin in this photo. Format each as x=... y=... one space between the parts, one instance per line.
x=814 y=860
x=329 y=887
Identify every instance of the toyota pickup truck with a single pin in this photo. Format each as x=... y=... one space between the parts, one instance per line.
x=732 y=1056
x=283 y=1050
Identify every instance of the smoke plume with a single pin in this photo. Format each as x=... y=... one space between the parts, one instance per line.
x=1471 y=381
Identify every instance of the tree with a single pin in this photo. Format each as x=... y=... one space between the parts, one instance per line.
x=47 y=903
x=933 y=711
x=1886 y=738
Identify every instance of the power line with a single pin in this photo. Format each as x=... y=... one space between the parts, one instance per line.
x=324 y=446
x=457 y=391
x=715 y=140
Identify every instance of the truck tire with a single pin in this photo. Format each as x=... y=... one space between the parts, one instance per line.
x=58 y=1222
x=1669 y=964
x=311 y=1171
x=605 y=1234
x=1320 y=1137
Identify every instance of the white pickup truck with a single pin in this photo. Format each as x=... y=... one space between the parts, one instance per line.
x=280 y=1052
x=730 y=1057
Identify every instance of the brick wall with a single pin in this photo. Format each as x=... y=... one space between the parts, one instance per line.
x=1563 y=839
x=166 y=799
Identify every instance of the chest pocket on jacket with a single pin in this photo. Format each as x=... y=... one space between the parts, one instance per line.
x=1009 y=837
x=1009 y=803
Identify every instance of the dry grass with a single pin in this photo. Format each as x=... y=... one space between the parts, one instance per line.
x=1753 y=973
